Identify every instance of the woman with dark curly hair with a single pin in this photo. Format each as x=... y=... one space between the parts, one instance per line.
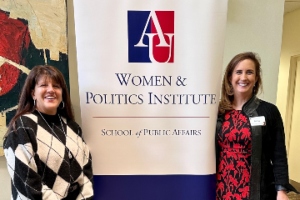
x=46 y=155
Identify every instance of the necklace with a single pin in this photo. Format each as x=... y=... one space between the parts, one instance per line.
x=52 y=130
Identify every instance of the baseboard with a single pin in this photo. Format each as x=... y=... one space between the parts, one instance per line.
x=295 y=184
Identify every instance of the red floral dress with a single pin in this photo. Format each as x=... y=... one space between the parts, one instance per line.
x=234 y=164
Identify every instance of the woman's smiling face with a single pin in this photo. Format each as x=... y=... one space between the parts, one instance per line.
x=48 y=95
x=243 y=78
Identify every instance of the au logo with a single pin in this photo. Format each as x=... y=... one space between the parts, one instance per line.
x=151 y=36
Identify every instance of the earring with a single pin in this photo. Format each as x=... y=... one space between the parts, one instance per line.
x=34 y=102
x=63 y=104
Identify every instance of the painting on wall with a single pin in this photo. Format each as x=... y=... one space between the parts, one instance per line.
x=32 y=32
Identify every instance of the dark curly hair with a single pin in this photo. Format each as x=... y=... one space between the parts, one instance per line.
x=26 y=103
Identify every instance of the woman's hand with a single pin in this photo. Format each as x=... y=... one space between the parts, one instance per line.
x=282 y=195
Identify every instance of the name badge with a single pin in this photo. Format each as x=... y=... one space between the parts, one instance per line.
x=258 y=121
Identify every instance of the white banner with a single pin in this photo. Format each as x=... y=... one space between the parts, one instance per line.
x=149 y=79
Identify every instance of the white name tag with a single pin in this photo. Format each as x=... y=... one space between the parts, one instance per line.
x=258 y=121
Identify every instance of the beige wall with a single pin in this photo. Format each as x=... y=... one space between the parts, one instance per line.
x=290 y=47
x=4 y=180
x=252 y=26
x=257 y=26
x=73 y=62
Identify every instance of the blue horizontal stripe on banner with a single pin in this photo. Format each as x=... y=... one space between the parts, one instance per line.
x=155 y=187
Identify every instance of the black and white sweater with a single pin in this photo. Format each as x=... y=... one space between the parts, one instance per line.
x=47 y=165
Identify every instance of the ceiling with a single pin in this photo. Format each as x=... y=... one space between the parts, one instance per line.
x=291 y=5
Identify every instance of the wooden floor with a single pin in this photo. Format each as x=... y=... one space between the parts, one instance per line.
x=293 y=196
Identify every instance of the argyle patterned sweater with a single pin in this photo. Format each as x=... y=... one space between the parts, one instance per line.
x=45 y=162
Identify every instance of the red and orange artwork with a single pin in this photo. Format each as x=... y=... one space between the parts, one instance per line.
x=32 y=32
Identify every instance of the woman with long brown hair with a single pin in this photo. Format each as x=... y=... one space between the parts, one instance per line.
x=250 y=143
